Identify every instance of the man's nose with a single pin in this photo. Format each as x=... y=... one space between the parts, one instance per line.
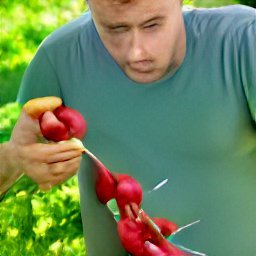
x=136 y=49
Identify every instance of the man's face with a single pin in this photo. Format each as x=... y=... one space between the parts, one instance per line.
x=145 y=37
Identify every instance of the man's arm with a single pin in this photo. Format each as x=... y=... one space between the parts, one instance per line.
x=8 y=172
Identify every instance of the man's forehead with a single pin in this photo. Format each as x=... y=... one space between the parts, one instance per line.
x=138 y=12
x=117 y=1
x=124 y=3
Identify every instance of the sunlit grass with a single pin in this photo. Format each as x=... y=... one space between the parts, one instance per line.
x=34 y=222
x=214 y=3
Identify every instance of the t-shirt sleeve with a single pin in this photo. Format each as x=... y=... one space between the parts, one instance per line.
x=40 y=79
x=248 y=64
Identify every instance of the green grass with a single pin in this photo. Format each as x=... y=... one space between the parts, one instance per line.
x=33 y=222
x=213 y=3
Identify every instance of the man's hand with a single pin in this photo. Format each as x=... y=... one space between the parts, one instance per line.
x=48 y=164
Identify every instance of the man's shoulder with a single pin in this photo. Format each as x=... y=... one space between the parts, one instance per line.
x=70 y=32
x=224 y=20
x=227 y=12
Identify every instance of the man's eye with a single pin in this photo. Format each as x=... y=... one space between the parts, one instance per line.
x=151 y=26
x=118 y=29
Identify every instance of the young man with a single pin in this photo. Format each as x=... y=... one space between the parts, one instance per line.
x=166 y=95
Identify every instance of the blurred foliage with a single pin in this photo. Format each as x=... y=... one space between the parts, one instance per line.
x=214 y=3
x=37 y=223
x=33 y=222
x=23 y=26
x=8 y=117
x=188 y=2
x=26 y=23
x=251 y=3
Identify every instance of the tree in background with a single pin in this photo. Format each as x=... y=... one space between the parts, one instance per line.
x=23 y=26
x=251 y=3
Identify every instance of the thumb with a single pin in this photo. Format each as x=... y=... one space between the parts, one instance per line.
x=26 y=130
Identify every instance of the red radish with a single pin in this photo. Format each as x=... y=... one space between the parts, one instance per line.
x=165 y=248
x=73 y=120
x=131 y=234
x=128 y=191
x=141 y=237
x=62 y=124
x=151 y=249
x=167 y=227
x=105 y=184
x=157 y=244
x=139 y=234
x=170 y=249
x=52 y=128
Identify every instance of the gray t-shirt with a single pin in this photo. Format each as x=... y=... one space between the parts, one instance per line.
x=195 y=128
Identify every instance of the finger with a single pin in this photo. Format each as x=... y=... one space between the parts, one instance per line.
x=66 y=169
x=63 y=146
x=39 y=173
x=51 y=152
x=26 y=130
x=135 y=208
x=128 y=212
x=29 y=122
x=44 y=174
x=63 y=156
x=132 y=210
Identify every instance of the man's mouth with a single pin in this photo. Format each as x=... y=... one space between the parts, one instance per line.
x=144 y=66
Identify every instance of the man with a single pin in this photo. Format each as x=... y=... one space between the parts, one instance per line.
x=167 y=96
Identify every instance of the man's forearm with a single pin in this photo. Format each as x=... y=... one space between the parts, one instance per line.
x=8 y=171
